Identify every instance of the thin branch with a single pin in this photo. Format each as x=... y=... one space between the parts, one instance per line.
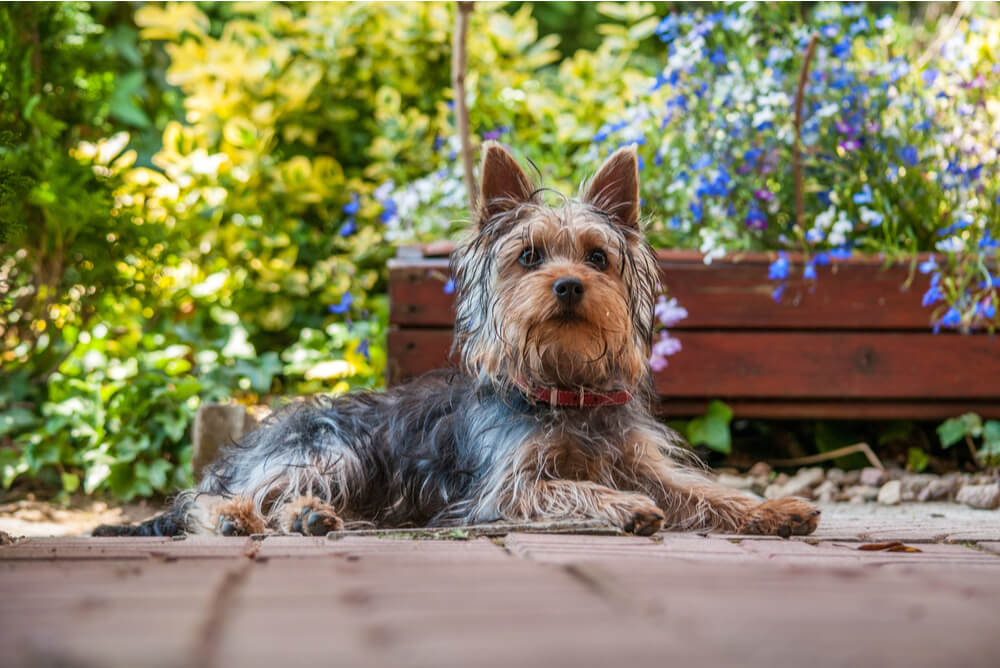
x=797 y=147
x=832 y=454
x=942 y=35
x=972 y=451
x=458 y=67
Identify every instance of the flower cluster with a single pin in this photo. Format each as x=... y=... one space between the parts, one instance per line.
x=898 y=153
x=668 y=313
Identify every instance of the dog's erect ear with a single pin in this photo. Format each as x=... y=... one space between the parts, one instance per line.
x=615 y=188
x=503 y=183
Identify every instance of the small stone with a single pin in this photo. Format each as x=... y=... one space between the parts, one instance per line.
x=835 y=475
x=872 y=476
x=800 y=485
x=937 y=490
x=863 y=492
x=891 y=493
x=850 y=478
x=760 y=469
x=826 y=492
x=986 y=497
x=734 y=481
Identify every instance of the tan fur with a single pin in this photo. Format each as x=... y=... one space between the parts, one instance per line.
x=241 y=513
x=294 y=517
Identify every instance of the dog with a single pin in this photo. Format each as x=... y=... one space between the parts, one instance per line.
x=547 y=416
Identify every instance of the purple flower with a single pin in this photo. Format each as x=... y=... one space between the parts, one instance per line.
x=668 y=311
x=343 y=306
x=755 y=220
x=667 y=345
x=844 y=128
x=850 y=145
x=764 y=194
x=778 y=270
x=909 y=155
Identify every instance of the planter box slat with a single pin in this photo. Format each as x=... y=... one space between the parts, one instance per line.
x=852 y=345
x=724 y=295
x=774 y=365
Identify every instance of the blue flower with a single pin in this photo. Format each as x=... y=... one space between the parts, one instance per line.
x=909 y=155
x=861 y=25
x=822 y=258
x=951 y=318
x=718 y=57
x=931 y=296
x=929 y=75
x=829 y=31
x=343 y=306
x=658 y=158
x=865 y=196
x=363 y=349
x=986 y=309
x=814 y=235
x=696 y=211
x=840 y=253
x=778 y=270
x=841 y=49
x=928 y=265
x=642 y=163
x=809 y=272
x=449 y=287
x=778 y=292
x=352 y=207
x=348 y=228
x=884 y=23
x=668 y=28
x=388 y=211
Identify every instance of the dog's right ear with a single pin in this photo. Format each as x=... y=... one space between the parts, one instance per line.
x=503 y=184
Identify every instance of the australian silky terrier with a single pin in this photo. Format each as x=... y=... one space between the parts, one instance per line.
x=548 y=416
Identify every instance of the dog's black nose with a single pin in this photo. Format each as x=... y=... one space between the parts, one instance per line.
x=569 y=291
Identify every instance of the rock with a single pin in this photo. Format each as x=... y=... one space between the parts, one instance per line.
x=760 y=469
x=850 y=478
x=891 y=493
x=872 y=476
x=914 y=483
x=835 y=475
x=826 y=492
x=937 y=490
x=861 y=492
x=734 y=481
x=800 y=485
x=980 y=496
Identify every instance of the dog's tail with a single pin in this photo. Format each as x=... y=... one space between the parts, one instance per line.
x=174 y=522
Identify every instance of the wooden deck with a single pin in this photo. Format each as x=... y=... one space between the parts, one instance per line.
x=518 y=600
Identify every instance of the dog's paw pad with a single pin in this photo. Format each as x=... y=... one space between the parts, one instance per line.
x=644 y=521
x=782 y=517
x=230 y=526
x=312 y=521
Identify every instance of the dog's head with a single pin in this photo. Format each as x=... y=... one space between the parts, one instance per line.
x=556 y=294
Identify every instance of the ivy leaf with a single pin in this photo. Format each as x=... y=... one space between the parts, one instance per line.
x=955 y=429
x=712 y=429
x=917 y=460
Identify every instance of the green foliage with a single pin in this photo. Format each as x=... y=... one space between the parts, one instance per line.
x=712 y=428
x=970 y=427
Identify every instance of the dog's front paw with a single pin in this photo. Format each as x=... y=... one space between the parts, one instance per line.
x=640 y=516
x=781 y=517
x=310 y=516
x=239 y=518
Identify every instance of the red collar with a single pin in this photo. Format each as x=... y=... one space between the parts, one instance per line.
x=574 y=398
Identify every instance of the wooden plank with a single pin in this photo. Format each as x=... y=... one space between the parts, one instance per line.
x=787 y=365
x=728 y=294
x=834 y=409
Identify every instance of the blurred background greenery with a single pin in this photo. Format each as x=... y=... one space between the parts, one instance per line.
x=193 y=198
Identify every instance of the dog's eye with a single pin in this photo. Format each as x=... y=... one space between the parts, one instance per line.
x=598 y=258
x=531 y=257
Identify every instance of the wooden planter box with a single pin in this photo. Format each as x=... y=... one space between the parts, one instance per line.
x=851 y=345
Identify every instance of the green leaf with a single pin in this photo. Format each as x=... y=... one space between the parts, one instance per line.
x=70 y=482
x=16 y=419
x=127 y=112
x=712 y=429
x=916 y=460
x=953 y=430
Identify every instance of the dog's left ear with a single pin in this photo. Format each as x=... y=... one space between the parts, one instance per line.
x=615 y=188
